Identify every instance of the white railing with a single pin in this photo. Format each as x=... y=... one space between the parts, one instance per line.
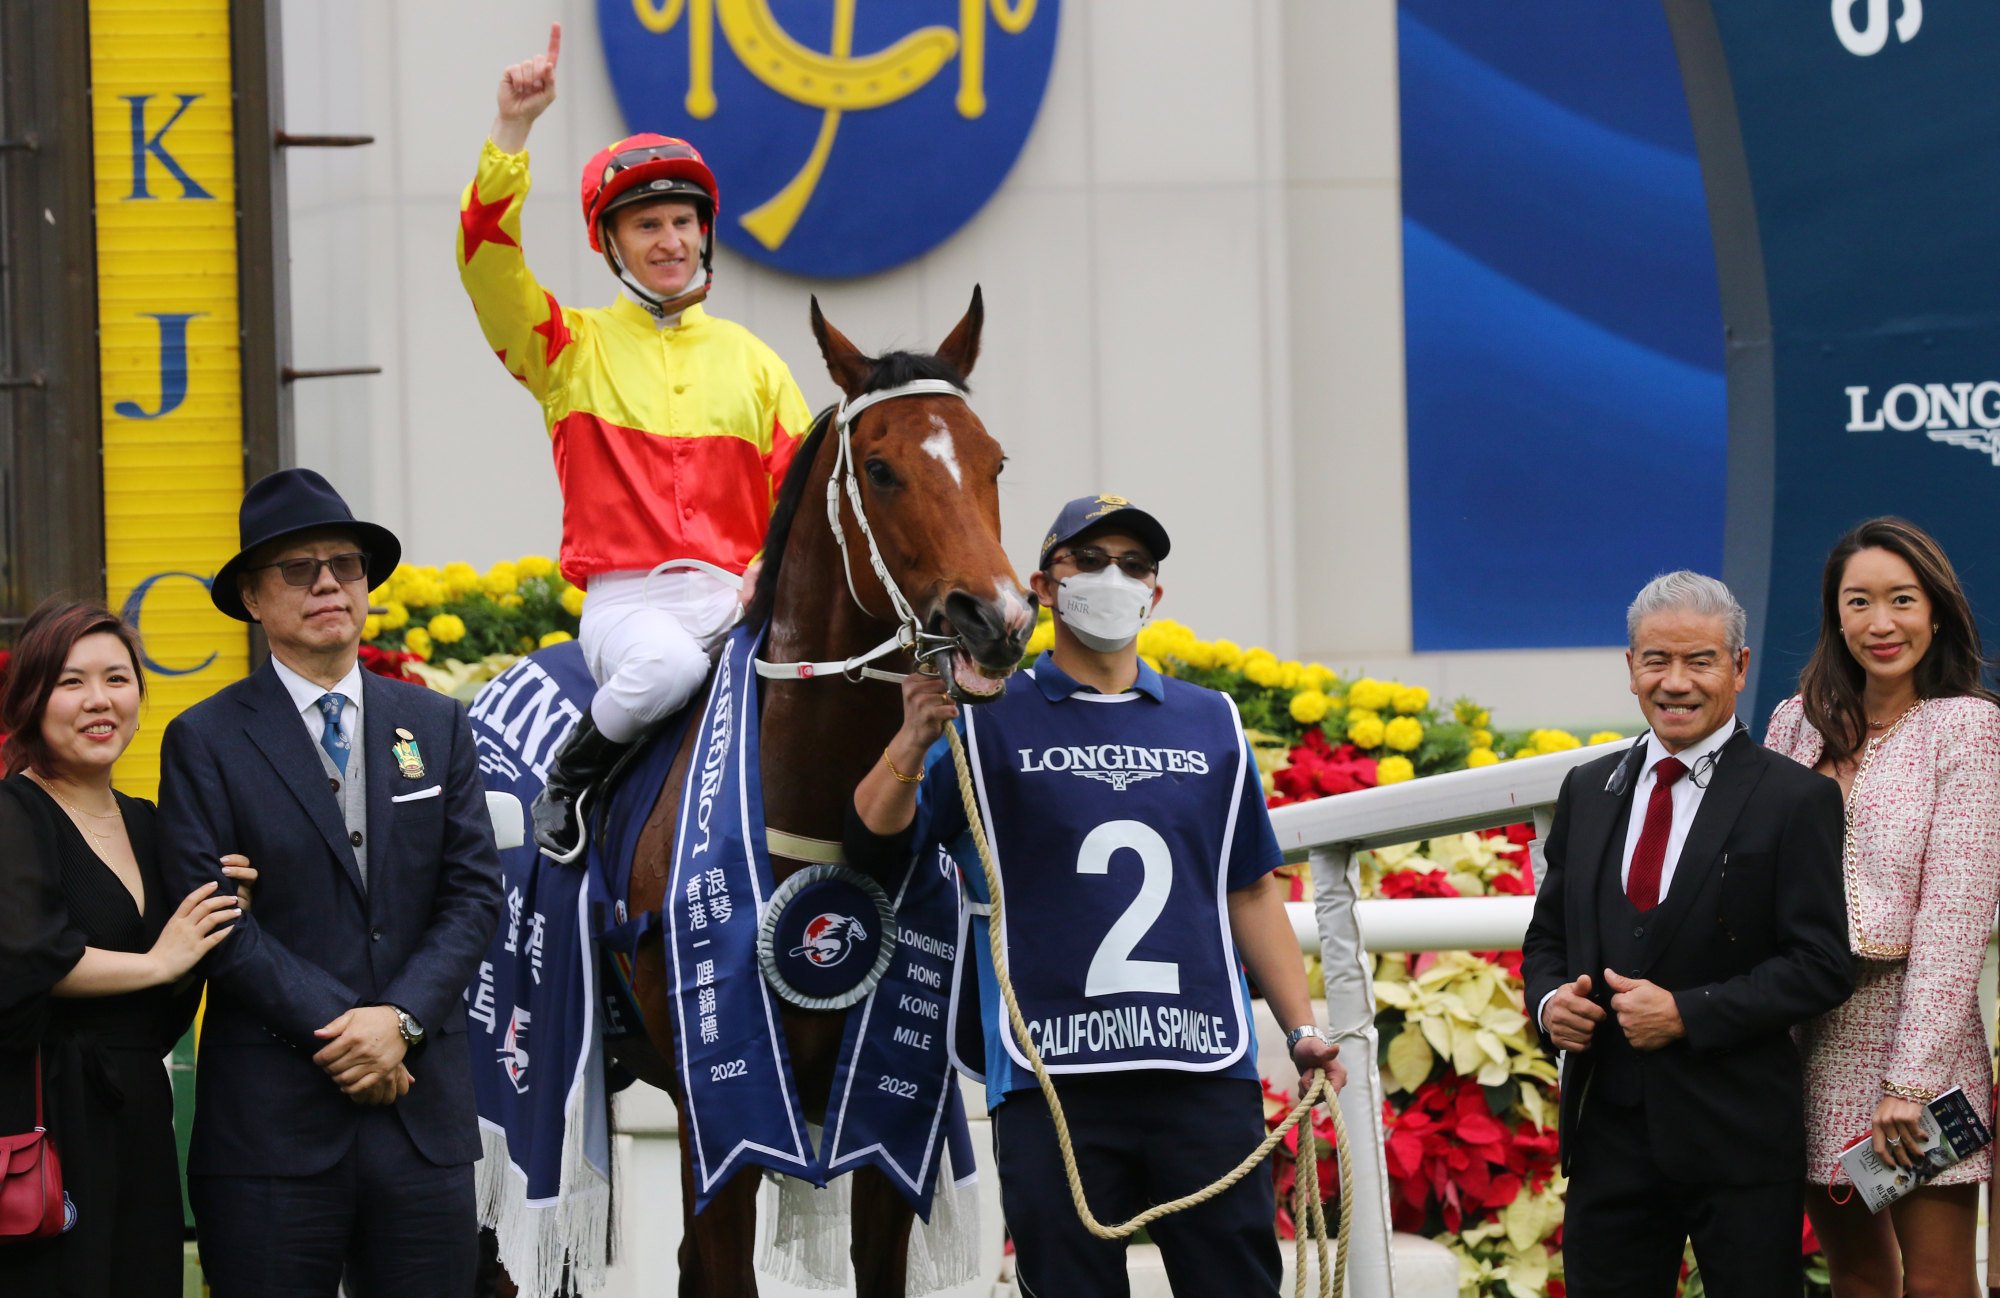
x=1344 y=928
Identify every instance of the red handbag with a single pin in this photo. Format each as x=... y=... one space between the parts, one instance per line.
x=32 y=1203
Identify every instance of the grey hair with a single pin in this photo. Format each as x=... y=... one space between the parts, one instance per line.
x=1691 y=592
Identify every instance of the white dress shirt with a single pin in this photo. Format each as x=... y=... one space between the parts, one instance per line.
x=1686 y=795
x=306 y=696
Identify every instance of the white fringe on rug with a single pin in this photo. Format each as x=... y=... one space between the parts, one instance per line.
x=539 y=1239
x=805 y=1234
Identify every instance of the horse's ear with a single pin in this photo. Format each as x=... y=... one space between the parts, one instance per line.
x=961 y=348
x=844 y=361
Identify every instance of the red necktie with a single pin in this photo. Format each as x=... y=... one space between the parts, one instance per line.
x=1642 y=883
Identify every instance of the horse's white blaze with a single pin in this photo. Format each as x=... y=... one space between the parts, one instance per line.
x=940 y=448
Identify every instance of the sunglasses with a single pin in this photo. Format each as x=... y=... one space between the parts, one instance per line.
x=352 y=566
x=1088 y=558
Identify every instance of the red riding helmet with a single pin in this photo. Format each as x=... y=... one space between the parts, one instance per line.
x=641 y=168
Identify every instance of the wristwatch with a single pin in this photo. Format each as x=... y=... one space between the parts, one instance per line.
x=1299 y=1034
x=413 y=1031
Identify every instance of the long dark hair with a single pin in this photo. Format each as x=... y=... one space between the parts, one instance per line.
x=1830 y=686
x=39 y=656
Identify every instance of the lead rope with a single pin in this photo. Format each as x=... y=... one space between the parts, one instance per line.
x=1308 y=1214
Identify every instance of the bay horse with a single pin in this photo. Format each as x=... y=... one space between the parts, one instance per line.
x=926 y=471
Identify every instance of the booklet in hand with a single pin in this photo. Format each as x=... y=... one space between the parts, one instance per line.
x=1952 y=1131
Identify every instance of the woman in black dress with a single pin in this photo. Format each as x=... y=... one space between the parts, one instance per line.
x=96 y=963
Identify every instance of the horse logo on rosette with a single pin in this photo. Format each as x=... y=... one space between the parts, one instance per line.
x=846 y=138
x=513 y=1051
x=828 y=938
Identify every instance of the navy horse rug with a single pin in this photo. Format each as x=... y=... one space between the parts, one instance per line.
x=549 y=992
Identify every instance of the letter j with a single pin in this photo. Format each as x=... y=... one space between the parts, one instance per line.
x=173 y=366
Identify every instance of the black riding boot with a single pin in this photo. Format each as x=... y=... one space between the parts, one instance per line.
x=586 y=757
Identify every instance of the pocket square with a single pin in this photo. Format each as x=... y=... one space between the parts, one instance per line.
x=420 y=794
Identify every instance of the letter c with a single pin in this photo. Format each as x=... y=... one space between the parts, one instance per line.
x=133 y=612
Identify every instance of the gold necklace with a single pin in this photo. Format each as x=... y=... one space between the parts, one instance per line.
x=1885 y=725
x=101 y=835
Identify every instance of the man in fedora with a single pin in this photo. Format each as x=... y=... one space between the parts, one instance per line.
x=334 y=1129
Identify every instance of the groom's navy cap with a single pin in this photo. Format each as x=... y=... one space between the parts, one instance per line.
x=291 y=501
x=1088 y=513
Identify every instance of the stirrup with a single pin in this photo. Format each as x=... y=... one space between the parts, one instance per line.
x=573 y=854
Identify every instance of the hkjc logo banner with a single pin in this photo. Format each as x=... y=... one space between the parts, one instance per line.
x=847 y=138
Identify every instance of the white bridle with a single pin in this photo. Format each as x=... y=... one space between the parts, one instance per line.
x=910 y=634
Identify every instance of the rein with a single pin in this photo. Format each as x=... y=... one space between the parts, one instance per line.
x=1308 y=1213
x=910 y=635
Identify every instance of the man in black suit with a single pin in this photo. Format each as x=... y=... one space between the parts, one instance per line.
x=1690 y=912
x=334 y=1127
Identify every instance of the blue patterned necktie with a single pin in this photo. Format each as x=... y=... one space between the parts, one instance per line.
x=331 y=738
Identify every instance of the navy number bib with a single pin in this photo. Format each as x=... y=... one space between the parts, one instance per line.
x=1111 y=820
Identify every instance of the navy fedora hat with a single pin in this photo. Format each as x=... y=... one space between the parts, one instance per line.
x=287 y=502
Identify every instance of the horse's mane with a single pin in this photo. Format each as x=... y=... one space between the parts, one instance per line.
x=890 y=371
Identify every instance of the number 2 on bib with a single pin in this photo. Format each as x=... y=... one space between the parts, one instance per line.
x=1112 y=969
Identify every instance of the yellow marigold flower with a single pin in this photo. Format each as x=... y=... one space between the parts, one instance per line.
x=396 y=617
x=418 y=641
x=1481 y=756
x=1482 y=739
x=371 y=628
x=1152 y=662
x=1604 y=737
x=1411 y=698
x=1321 y=677
x=1364 y=730
x=1309 y=707
x=1394 y=770
x=460 y=579
x=530 y=566
x=1227 y=655
x=1403 y=734
x=1554 y=741
x=572 y=601
x=1370 y=695
x=1290 y=676
x=422 y=589
x=1260 y=667
x=554 y=637
x=1042 y=638
x=511 y=602
x=501 y=579
x=1355 y=714
x=1195 y=653
x=447 y=628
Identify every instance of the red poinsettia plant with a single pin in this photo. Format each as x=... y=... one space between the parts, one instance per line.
x=1320 y=770
x=1456 y=1157
x=393 y=663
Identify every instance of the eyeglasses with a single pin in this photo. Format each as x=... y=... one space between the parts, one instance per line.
x=304 y=571
x=1088 y=558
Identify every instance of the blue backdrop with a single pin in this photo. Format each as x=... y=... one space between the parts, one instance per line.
x=1563 y=330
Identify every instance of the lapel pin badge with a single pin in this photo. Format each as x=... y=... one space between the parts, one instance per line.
x=409 y=759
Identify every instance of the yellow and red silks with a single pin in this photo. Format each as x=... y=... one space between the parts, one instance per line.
x=669 y=442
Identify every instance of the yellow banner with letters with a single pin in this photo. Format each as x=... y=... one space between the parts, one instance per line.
x=169 y=355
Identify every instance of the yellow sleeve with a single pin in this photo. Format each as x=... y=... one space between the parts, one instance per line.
x=523 y=323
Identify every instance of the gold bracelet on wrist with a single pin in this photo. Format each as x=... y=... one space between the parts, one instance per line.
x=1912 y=1093
x=901 y=778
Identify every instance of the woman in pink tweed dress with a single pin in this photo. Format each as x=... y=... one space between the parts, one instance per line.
x=1891 y=705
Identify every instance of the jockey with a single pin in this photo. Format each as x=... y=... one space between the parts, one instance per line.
x=1128 y=963
x=671 y=429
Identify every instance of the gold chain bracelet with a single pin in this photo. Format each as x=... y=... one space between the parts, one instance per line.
x=901 y=778
x=1912 y=1093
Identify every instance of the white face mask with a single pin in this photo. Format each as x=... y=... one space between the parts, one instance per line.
x=1106 y=609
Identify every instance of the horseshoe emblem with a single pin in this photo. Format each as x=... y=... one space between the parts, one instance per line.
x=835 y=82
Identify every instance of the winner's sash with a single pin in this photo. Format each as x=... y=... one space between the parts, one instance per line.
x=741 y=1103
x=894 y=1104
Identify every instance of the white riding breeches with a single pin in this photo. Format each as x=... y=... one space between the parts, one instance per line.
x=647 y=645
